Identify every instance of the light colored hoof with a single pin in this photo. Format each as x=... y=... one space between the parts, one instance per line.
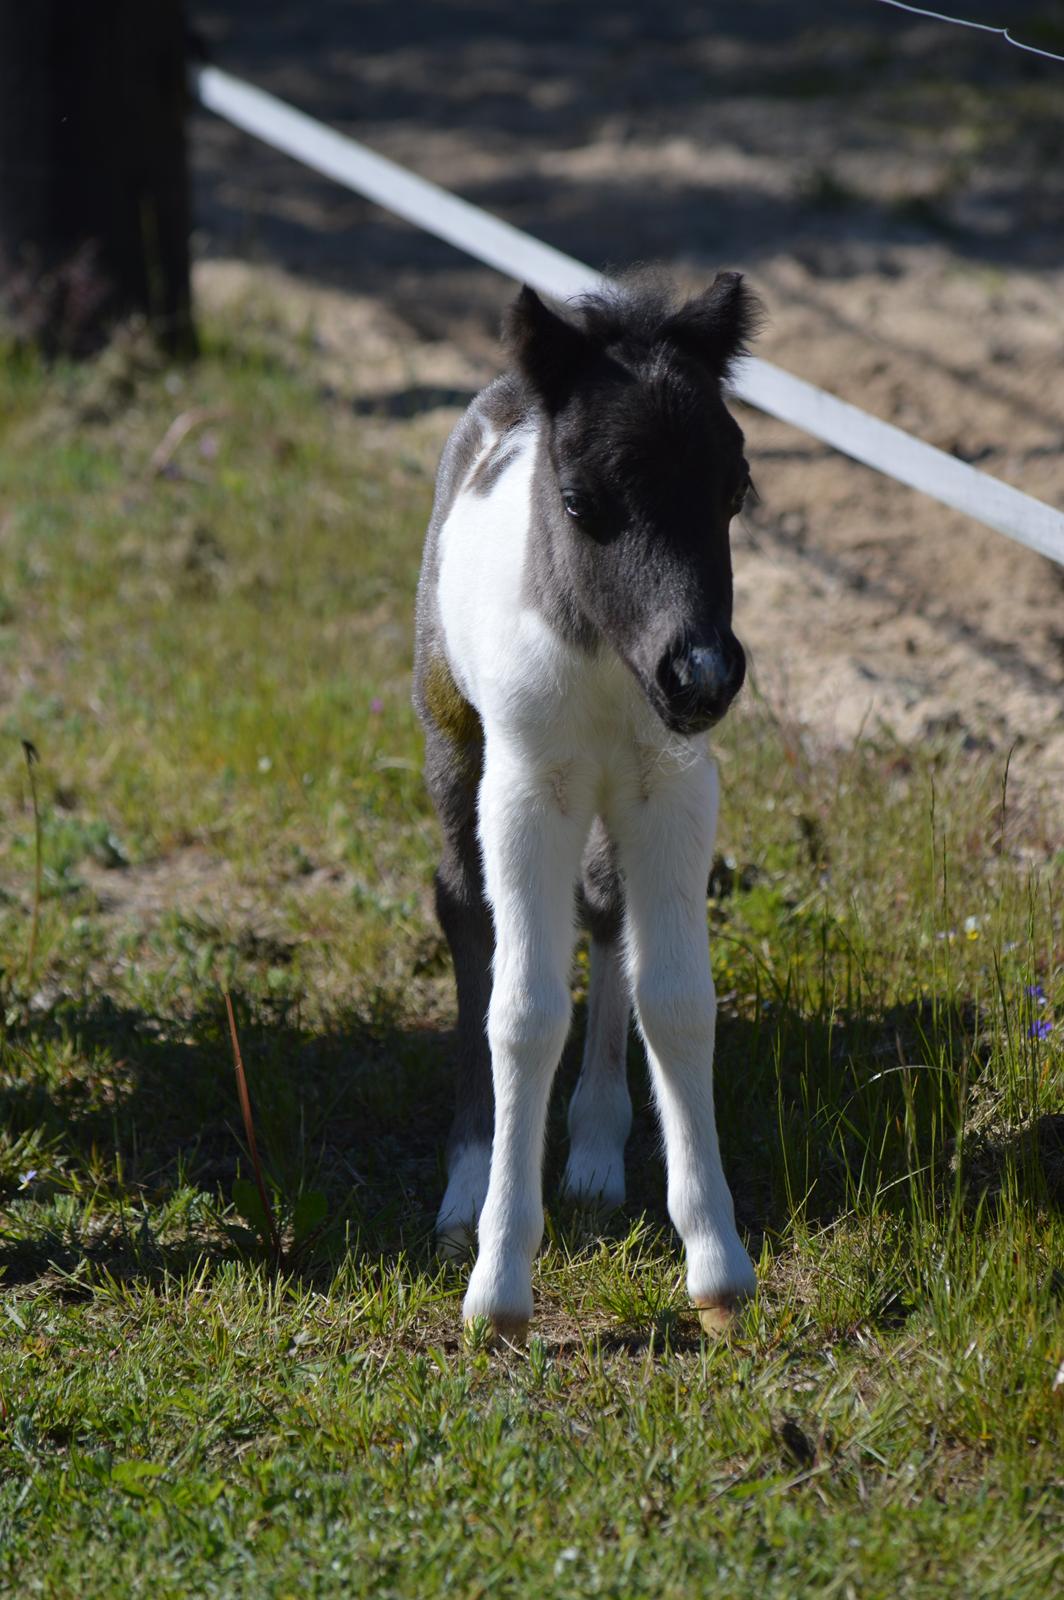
x=501 y=1330
x=718 y=1316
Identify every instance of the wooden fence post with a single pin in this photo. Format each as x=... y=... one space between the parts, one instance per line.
x=94 y=202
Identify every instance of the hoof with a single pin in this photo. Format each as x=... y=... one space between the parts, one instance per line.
x=501 y=1330
x=498 y=1303
x=718 y=1316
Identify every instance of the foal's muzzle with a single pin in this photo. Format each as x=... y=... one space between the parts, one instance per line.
x=696 y=684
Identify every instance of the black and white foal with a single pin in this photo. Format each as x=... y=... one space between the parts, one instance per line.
x=574 y=646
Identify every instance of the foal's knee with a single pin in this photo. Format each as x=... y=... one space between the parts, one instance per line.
x=528 y=1017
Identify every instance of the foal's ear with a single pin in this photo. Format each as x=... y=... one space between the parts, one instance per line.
x=548 y=350
x=717 y=326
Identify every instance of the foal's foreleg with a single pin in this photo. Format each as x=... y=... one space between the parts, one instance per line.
x=531 y=851
x=666 y=845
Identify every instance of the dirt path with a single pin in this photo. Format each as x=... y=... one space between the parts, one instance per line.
x=902 y=225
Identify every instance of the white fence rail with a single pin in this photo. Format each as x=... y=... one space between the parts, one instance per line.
x=847 y=428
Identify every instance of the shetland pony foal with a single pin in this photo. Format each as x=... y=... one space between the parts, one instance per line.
x=574 y=646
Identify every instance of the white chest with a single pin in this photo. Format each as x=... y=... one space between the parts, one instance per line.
x=555 y=707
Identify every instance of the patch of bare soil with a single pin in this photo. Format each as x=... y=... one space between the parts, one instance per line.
x=194 y=883
x=866 y=603
x=892 y=188
x=189 y=883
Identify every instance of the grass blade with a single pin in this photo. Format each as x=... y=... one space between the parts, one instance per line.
x=29 y=750
x=249 y=1133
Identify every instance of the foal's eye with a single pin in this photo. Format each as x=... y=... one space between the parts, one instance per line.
x=576 y=504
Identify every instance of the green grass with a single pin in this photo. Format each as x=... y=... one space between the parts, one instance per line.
x=214 y=667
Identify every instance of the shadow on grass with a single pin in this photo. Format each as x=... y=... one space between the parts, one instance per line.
x=140 y=1110
x=818 y=1116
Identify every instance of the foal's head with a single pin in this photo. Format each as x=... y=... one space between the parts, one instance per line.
x=644 y=470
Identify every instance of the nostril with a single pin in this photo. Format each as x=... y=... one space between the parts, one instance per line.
x=700 y=673
x=707 y=669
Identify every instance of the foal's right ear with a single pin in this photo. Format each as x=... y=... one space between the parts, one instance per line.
x=548 y=350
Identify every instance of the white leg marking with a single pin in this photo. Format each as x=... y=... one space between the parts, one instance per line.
x=467 y=1184
x=666 y=845
x=531 y=858
x=600 y=1112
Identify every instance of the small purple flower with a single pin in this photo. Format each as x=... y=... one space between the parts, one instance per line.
x=1035 y=991
x=376 y=707
x=1041 y=1028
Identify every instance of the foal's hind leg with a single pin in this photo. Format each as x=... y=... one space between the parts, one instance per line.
x=600 y=1112
x=453 y=773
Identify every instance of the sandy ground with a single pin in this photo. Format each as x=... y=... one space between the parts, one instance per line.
x=902 y=226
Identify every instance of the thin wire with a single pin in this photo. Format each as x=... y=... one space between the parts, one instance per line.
x=962 y=22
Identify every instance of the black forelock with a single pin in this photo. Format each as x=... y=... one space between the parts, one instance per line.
x=627 y=318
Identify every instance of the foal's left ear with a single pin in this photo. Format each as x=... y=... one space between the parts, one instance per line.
x=717 y=326
x=549 y=351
